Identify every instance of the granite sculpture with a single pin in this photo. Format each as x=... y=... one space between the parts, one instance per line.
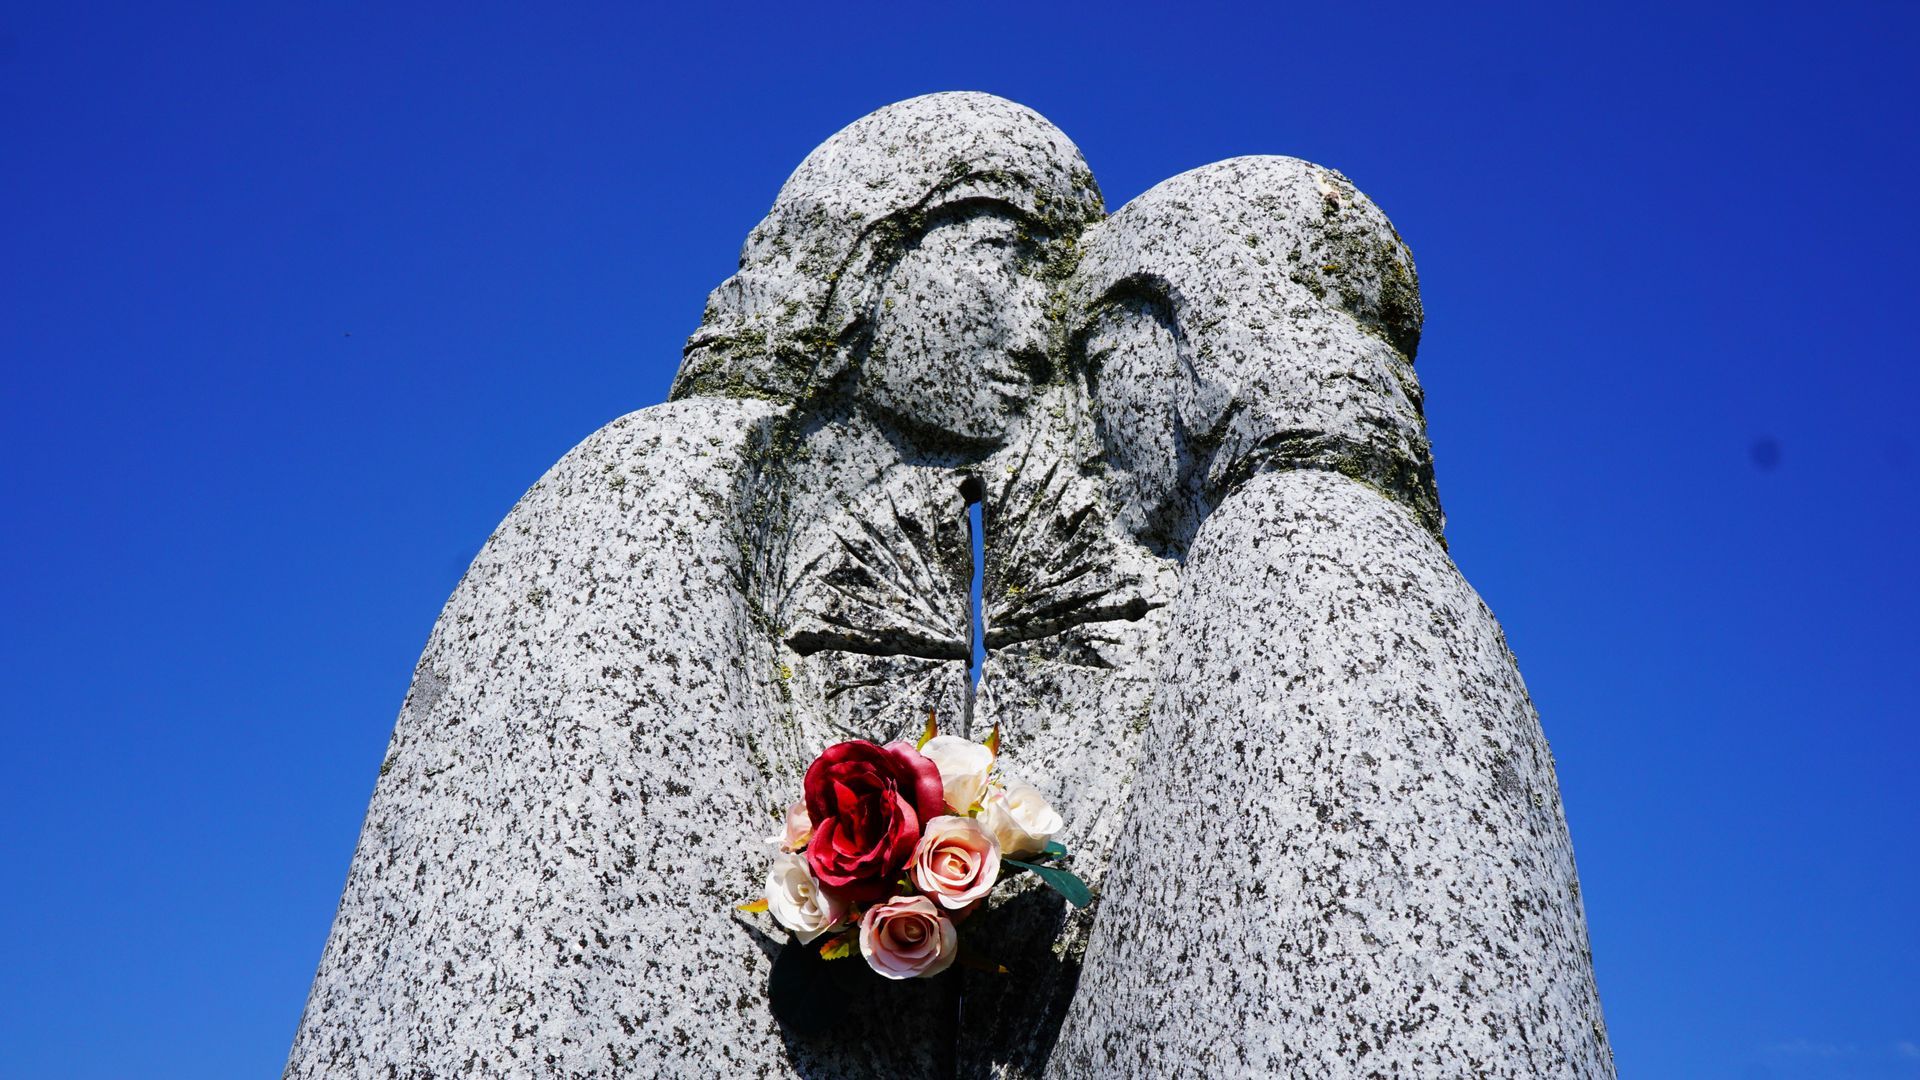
x=1386 y=886
x=1221 y=628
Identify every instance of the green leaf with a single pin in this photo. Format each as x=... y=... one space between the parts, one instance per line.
x=1061 y=881
x=840 y=946
x=1053 y=850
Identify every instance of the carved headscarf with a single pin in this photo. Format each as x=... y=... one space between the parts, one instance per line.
x=809 y=270
x=1291 y=314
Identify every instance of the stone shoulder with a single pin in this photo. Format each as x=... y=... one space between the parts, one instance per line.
x=1322 y=516
x=696 y=443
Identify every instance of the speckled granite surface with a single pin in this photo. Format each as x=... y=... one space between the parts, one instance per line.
x=1223 y=635
x=1345 y=855
x=556 y=832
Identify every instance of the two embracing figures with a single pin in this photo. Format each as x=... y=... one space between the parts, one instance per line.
x=1220 y=628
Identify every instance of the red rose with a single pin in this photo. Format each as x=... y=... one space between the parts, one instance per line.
x=866 y=804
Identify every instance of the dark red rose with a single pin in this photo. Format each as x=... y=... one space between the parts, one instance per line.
x=866 y=803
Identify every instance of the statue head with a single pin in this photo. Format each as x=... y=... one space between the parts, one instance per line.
x=1253 y=314
x=909 y=257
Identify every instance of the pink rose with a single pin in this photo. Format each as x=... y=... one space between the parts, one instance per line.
x=907 y=937
x=794 y=828
x=956 y=863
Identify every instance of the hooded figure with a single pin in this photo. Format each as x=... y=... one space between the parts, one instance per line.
x=787 y=325
x=598 y=728
x=1345 y=824
x=1256 y=314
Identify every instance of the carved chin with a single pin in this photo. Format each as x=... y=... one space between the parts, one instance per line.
x=986 y=424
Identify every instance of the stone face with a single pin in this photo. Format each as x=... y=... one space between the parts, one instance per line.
x=1255 y=314
x=1223 y=639
x=812 y=271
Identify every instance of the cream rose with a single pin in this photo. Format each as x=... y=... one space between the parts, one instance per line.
x=794 y=828
x=797 y=901
x=956 y=863
x=963 y=769
x=1018 y=818
x=907 y=937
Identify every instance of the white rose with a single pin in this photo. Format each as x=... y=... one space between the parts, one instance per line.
x=797 y=901
x=963 y=769
x=1019 y=818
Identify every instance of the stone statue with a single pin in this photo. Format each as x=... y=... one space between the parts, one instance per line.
x=1345 y=823
x=1212 y=557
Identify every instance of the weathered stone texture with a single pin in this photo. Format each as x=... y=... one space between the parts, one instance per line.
x=557 y=829
x=812 y=270
x=1258 y=313
x=1344 y=852
x=1073 y=612
x=1212 y=530
x=1346 y=855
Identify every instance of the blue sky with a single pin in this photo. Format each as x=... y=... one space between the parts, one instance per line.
x=298 y=299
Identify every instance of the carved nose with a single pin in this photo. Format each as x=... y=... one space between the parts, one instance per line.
x=1025 y=320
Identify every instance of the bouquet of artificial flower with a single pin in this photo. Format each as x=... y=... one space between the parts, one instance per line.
x=892 y=846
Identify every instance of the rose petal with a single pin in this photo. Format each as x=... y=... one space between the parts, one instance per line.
x=929 y=795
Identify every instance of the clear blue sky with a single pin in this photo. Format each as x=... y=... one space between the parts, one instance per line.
x=296 y=300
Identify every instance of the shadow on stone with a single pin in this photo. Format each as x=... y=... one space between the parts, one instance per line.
x=840 y=1019
x=1010 y=1022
